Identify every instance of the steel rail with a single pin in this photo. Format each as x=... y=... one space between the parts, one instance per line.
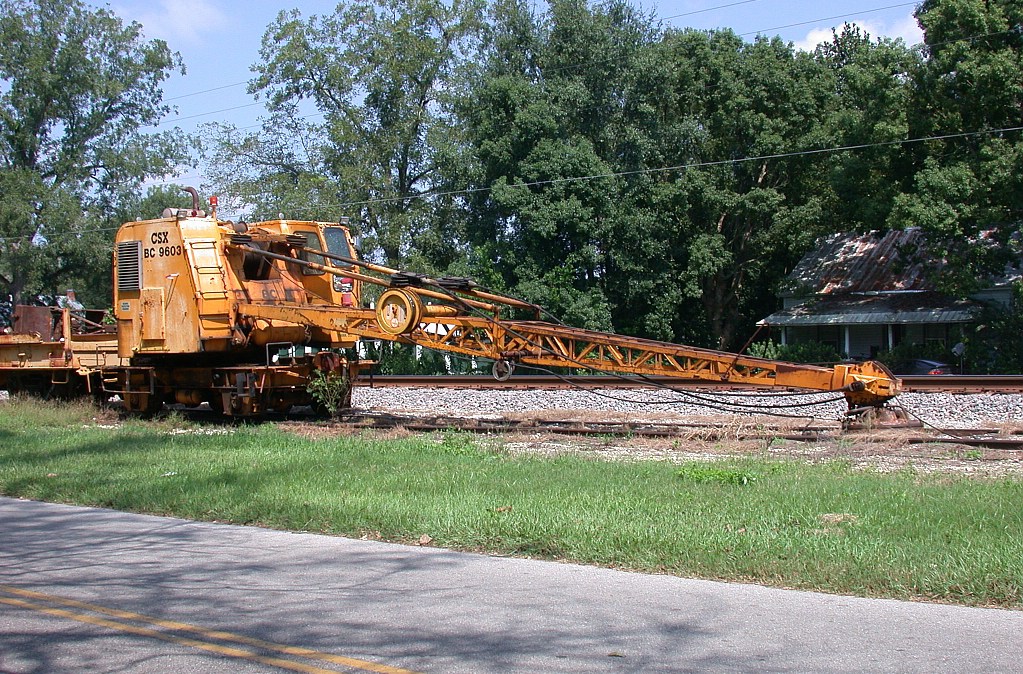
x=709 y=431
x=918 y=384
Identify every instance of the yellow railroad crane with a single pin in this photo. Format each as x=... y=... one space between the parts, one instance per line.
x=241 y=316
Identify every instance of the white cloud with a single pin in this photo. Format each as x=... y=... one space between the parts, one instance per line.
x=814 y=38
x=909 y=30
x=176 y=21
x=905 y=28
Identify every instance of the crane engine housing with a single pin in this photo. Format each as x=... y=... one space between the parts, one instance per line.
x=179 y=284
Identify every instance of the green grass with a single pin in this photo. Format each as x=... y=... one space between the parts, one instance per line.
x=827 y=527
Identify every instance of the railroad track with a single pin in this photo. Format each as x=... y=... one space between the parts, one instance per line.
x=989 y=438
x=922 y=384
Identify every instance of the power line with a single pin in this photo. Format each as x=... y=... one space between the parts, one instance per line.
x=755 y=32
x=683 y=167
x=971 y=38
x=830 y=18
x=207 y=114
x=707 y=9
x=206 y=91
x=558 y=68
x=619 y=174
x=662 y=18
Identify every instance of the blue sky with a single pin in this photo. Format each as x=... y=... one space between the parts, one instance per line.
x=219 y=39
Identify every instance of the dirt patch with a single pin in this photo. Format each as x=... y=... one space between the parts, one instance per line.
x=884 y=451
x=720 y=438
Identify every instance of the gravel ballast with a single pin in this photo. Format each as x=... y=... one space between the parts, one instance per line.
x=958 y=410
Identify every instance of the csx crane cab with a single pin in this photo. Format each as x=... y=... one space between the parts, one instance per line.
x=179 y=280
x=181 y=284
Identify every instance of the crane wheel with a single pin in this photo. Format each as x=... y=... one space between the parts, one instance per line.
x=398 y=312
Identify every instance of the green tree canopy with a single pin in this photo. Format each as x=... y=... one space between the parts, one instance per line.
x=619 y=162
x=382 y=74
x=76 y=88
x=871 y=86
x=967 y=190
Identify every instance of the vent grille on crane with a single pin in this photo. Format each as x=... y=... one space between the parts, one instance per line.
x=129 y=265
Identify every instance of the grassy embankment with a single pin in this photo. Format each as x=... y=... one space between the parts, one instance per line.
x=827 y=527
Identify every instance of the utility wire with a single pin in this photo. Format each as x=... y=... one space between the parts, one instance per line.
x=680 y=167
x=972 y=38
x=576 y=66
x=829 y=18
x=207 y=114
x=705 y=10
x=205 y=91
x=661 y=18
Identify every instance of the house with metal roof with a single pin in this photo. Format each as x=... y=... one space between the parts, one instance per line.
x=866 y=293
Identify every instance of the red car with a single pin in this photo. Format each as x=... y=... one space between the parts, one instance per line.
x=922 y=366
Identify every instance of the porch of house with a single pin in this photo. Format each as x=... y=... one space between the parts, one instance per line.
x=861 y=326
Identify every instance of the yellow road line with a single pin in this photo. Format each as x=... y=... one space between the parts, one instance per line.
x=283 y=649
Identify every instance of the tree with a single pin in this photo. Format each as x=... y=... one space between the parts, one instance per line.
x=967 y=191
x=278 y=171
x=77 y=87
x=757 y=203
x=872 y=86
x=577 y=142
x=552 y=108
x=382 y=74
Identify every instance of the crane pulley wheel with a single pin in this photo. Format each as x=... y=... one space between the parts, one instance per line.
x=398 y=312
x=503 y=369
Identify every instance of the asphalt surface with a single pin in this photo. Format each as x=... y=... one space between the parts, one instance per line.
x=90 y=590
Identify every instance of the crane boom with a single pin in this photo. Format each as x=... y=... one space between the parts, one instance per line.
x=452 y=315
x=551 y=345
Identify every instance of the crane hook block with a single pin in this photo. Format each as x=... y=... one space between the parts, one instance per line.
x=398 y=312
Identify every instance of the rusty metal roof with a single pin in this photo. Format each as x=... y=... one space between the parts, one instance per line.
x=892 y=308
x=864 y=263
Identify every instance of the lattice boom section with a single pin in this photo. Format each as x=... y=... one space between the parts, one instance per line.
x=570 y=347
x=549 y=345
x=556 y=346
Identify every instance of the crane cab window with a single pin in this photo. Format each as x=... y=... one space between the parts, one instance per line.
x=312 y=242
x=337 y=243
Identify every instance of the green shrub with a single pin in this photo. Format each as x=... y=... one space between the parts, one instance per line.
x=331 y=390
x=804 y=352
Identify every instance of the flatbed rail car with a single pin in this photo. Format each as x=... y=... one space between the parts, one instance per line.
x=243 y=317
x=60 y=352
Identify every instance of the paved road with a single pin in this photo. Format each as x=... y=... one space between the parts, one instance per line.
x=87 y=590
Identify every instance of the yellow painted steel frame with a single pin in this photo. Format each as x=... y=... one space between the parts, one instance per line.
x=58 y=361
x=550 y=345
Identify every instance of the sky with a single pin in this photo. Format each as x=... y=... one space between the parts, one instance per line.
x=219 y=40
